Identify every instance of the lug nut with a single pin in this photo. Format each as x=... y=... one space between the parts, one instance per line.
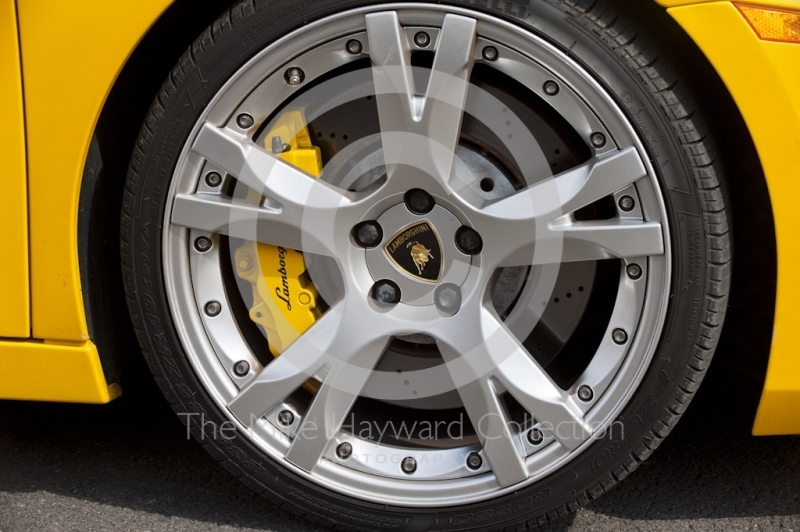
x=551 y=88
x=202 y=244
x=490 y=53
x=354 y=46
x=585 y=393
x=213 y=179
x=241 y=368
x=422 y=39
x=474 y=461
x=468 y=241
x=295 y=76
x=634 y=271
x=213 y=308
x=619 y=336
x=419 y=202
x=408 y=465
x=448 y=298
x=626 y=203
x=535 y=436
x=245 y=121
x=285 y=418
x=344 y=450
x=598 y=140
x=368 y=234
x=386 y=292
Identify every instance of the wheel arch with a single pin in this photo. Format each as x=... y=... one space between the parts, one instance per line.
x=103 y=179
x=746 y=342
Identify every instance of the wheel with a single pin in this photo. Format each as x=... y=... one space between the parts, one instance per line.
x=422 y=266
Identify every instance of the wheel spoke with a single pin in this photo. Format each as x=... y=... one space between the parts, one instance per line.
x=306 y=207
x=224 y=216
x=339 y=350
x=533 y=388
x=607 y=239
x=391 y=73
x=538 y=217
x=339 y=391
x=282 y=376
x=421 y=130
x=487 y=357
x=567 y=192
x=583 y=241
x=492 y=423
x=446 y=97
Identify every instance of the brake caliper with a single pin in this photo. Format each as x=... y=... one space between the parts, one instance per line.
x=284 y=299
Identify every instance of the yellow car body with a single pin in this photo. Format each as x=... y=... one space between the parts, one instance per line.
x=60 y=61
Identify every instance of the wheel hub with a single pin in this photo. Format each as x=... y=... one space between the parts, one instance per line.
x=418 y=252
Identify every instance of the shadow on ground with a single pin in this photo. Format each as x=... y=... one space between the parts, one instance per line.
x=134 y=454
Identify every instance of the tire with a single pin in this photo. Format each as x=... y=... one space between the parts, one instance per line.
x=679 y=146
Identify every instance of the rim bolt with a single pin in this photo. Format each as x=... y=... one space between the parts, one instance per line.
x=202 y=244
x=619 y=336
x=474 y=461
x=468 y=241
x=448 y=298
x=418 y=201
x=626 y=203
x=344 y=450
x=634 y=271
x=535 y=436
x=354 y=46
x=213 y=308
x=241 y=368
x=213 y=179
x=585 y=393
x=245 y=263
x=368 y=234
x=285 y=418
x=551 y=88
x=245 y=121
x=408 y=465
x=598 y=140
x=295 y=76
x=386 y=292
x=490 y=53
x=422 y=39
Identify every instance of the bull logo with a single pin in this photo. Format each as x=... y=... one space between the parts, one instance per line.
x=420 y=254
x=416 y=251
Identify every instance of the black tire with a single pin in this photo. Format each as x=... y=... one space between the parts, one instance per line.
x=628 y=64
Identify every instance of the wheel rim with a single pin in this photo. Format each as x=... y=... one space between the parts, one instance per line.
x=483 y=356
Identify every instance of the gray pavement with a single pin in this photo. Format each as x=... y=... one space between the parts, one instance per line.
x=128 y=466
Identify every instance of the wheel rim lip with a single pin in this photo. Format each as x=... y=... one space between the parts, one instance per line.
x=221 y=387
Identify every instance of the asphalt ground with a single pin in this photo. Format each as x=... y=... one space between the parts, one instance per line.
x=129 y=466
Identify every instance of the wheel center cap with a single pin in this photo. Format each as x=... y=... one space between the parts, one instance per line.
x=420 y=255
x=417 y=251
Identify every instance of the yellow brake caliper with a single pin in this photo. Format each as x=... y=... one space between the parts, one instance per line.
x=284 y=300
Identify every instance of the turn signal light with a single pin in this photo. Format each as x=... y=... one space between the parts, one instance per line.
x=773 y=24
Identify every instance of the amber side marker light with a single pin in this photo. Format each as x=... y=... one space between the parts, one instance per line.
x=773 y=24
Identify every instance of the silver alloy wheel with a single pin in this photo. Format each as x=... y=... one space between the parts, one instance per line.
x=483 y=356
